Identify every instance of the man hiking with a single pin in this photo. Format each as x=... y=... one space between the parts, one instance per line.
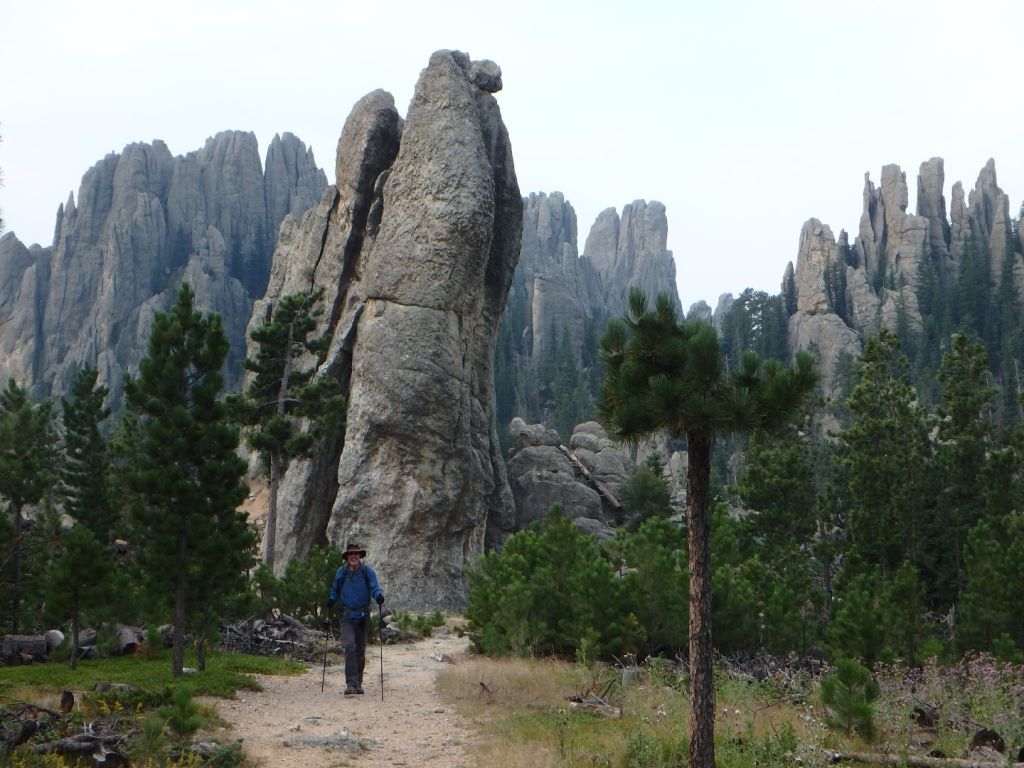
x=355 y=584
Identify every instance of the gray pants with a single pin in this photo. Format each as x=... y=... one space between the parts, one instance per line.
x=354 y=634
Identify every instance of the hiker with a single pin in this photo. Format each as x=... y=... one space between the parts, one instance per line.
x=354 y=585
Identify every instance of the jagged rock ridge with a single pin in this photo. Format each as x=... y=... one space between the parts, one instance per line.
x=846 y=293
x=144 y=221
x=557 y=293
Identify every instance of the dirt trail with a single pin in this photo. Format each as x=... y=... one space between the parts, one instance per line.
x=290 y=723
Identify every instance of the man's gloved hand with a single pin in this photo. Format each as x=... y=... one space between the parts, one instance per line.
x=380 y=599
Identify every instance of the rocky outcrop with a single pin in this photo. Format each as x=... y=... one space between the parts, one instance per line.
x=143 y=222
x=843 y=295
x=540 y=475
x=700 y=311
x=558 y=296
x=416 y=245
x=550 y=285
x=631 y=250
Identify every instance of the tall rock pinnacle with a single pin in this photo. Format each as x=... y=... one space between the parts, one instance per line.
x=416 y=246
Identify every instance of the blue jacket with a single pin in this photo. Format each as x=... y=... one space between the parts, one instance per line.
x=355 y=590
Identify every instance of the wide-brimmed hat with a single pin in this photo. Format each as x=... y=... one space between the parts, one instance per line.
x=354 y=548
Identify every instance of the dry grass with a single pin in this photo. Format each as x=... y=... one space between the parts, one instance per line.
x=520 y=706
x=509 y=683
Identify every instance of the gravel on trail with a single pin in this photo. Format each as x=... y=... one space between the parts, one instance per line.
x=290 y=723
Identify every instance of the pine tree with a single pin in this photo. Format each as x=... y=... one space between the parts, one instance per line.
x=656 y=584
x=27 y=468
x=857 y=627
x=886 y=456
x=85 y=469
x=850 y=695
x=778 y=482
x=79 y=581
x=283 y=394
x=964 y=443
x=903 y=609
x=647 y=493
x=565 y=390
x=187 y=473
x=663 y=374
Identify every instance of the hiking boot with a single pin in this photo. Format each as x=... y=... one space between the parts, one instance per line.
x=349 y=690
x=359 y=689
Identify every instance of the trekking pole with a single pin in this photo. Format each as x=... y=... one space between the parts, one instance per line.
x=380 y=631
x=323 y=677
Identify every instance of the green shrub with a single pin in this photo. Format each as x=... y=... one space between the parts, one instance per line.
x=182 y=715
x=420 y=625
x=647 y=493
x=657 y=585
x=302 y=591
x=134 y=699
x=150 y=746
x=544 y=591
x=850 y=695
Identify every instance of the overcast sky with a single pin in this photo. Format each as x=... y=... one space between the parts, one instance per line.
x=744 y=118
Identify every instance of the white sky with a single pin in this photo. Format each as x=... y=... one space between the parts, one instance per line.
x=744 y=118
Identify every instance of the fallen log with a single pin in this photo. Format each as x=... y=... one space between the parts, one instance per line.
x=81 y=744
x=593 y=704
x=596 y=484
x=879 y=758
x=17 y=647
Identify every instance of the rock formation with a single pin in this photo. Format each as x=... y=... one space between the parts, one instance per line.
x=843 y=294
x=415 y=244
x=630 y=251
x=143 y=222
x=557 y=294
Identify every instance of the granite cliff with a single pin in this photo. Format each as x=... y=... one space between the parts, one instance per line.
x=415 y=245
x=144 y=221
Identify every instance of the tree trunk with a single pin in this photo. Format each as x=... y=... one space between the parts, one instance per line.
x=275 y=464
x=178 y=653
x=702 y=692
x=201 y=642
x=275 y=458
x=16 y=602
x=74 y=636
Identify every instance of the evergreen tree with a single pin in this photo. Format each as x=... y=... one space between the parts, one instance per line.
x=565 y=390
x=857 y=628
x=547 y=590
x=85 y=469
x=282 y=394
x=646 y=494
x=990 y=605
x=656 y=584
x=27 y=469
x=80 y=581
x=886 y=456
x=850 y=695
x=964 y=443
x=187 y=473
x=663 y=374
x=903 y=609
x=778 y=482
